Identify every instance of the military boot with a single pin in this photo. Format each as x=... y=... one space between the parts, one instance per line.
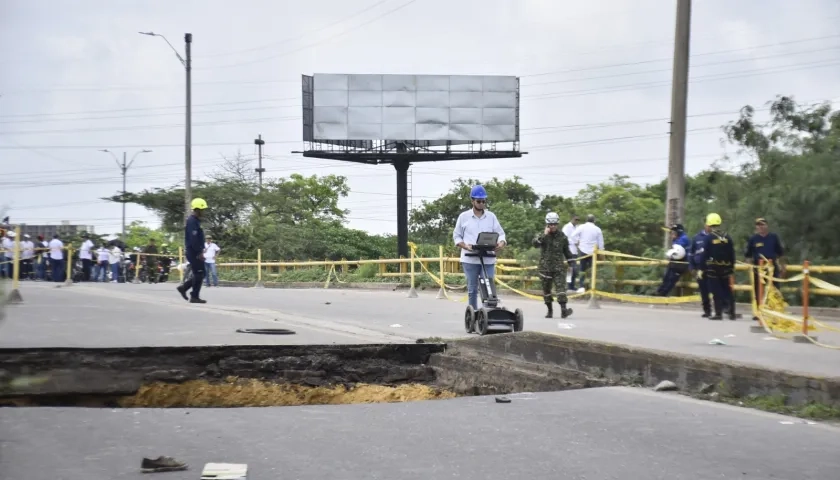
x=550 y=310
x=565 y=312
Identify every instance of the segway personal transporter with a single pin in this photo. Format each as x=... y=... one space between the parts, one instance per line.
x=490 y=314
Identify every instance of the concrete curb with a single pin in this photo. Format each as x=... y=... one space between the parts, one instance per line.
x=615 y=364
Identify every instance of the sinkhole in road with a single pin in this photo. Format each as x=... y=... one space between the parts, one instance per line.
x=262 y=376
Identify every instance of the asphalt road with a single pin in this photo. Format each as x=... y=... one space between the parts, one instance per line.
x=594 y=434
x=135 y=315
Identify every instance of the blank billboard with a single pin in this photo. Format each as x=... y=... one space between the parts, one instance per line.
x=432 y=109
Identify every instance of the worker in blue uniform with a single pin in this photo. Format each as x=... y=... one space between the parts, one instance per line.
x=764 y=244
x=719 y=258
x=697 y=265
x=678 y=265
x=194 y=251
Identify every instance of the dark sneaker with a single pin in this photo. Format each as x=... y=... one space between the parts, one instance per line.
x=706 y=315
x=197 y=300
x=566 y=312
x=161 y=464
x=716 y=317
x=182 y=291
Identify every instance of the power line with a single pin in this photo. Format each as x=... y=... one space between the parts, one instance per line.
x=291 y=39
x=269 y=57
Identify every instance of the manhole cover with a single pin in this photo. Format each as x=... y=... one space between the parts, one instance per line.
x=266 y=331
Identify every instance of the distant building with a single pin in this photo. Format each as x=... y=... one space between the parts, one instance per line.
x=48 y=231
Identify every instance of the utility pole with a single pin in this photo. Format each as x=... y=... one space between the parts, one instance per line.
x=259 y=142
x=675 y=199
x=124 y=170
x=188 y=140
x=188 y=124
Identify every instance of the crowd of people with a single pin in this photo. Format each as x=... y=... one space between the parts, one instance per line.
x=567 y=254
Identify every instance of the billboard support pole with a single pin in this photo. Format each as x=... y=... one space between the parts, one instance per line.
x=401 y=166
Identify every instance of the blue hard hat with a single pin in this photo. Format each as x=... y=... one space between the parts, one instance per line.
x=478 y=192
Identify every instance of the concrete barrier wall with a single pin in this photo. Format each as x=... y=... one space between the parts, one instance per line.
x=590 y=363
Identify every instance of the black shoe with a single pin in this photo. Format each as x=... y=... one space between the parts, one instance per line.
x=197 y=300
x=733 y=316
x=706 y=315
x=182 y=291
x=550 y=312
x=162 y=464
x=565 y=312
x=717 y=316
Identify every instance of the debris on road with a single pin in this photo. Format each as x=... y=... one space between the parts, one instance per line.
x=502 y=400
x=665 y=386
x=225 y=471
x=162 y=464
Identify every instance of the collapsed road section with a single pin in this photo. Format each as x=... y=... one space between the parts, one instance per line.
x=277 y=375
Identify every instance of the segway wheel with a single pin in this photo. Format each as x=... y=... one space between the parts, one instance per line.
x=469 y=319
x=481 y=325
x=520 y=320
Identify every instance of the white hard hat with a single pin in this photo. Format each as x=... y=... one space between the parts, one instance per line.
x=552 y=217
x=11 y=234
x=677 y=252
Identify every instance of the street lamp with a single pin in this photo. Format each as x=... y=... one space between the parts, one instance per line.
x=188 y=141
x=124 y=169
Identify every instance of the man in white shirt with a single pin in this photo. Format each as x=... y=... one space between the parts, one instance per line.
x=26 y=256
x=100 y=270
x=115 y=261
x=86 y=255
x=6 y=259
x=470 y=223
x=210 y=252
x=568 y=231
x=57 y=259
x=586 y=238
x=44 y=257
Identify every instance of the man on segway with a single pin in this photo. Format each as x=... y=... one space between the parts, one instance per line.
x=470 y=223
x=554 y=258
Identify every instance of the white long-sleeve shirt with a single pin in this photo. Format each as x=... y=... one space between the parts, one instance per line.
x=586 y=237
x=55 y=249
x=469 y=226
x=85 y=253
x=568 y=231
x=28 y=249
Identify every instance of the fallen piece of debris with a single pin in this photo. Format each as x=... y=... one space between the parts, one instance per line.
x=162 y=464
x=664 y=386
x=502 y=400
x=226 y=471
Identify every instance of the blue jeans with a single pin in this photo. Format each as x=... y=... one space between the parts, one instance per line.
x=472 y=272
x=210 y=269
x=57 y=267
x=42 y=269
x=115 y=272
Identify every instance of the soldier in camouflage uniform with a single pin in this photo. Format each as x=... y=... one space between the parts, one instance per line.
x=554 y=258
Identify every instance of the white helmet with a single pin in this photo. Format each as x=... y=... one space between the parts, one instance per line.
x=552 y=218
x=677 y=252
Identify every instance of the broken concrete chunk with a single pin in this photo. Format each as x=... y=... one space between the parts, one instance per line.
x=707 y=388
x=665 y=386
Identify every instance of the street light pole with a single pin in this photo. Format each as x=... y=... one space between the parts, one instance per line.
x=188 y=134
x=124 y=170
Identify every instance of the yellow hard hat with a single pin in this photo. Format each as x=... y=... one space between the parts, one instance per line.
x=713 y=219
x=198 y=204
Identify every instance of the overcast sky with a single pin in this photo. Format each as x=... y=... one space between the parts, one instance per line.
x=77 y=77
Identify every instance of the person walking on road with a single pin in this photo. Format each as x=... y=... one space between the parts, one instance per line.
x=719 y=258
x=470 y=223
x=554 y=256
x=194 y=251
x=210 y=252
x=568 y=231
x=698 y=266
x=677 y=265
x=586 y=238
x=764 y=245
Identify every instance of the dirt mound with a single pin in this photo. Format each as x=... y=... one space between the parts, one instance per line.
x=256 y=393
